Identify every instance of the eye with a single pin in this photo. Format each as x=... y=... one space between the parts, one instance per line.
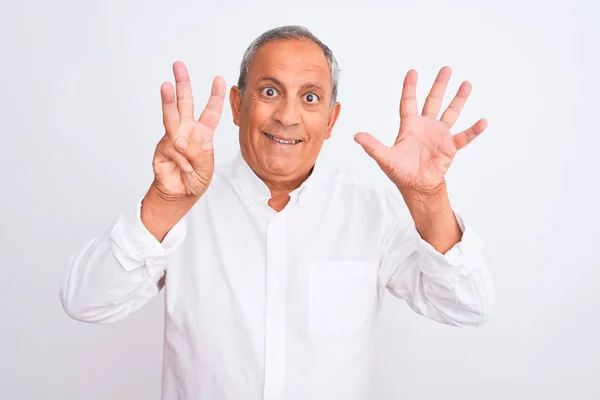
x=311 y=98
x=268 y=91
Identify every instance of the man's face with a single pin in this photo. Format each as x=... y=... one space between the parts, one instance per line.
x=287 y=97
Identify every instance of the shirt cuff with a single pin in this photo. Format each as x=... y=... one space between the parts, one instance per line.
x=461 y=259
x=132 y=243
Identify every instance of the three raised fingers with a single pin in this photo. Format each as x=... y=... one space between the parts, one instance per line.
x=178 y=106
x=433 y=103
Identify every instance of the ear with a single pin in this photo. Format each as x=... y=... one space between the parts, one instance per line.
x=334 y=113
x=235 y=100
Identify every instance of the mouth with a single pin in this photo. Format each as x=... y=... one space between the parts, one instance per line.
x=282 y=141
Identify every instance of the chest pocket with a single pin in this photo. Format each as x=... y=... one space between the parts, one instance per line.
x=341 y=296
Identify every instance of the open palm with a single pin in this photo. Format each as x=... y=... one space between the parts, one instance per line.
x=425 y=147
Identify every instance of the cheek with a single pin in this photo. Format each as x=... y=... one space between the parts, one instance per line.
x=257 y=114
x=316 y=126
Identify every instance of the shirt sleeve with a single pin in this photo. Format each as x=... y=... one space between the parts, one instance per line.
x=454 y=288
x=119 y=271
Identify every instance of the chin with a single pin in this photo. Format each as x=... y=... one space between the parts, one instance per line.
x=278 y=165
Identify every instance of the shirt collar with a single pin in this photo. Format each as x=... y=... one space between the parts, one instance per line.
x=255 y=189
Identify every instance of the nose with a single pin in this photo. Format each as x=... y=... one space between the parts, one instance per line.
x=287 y=112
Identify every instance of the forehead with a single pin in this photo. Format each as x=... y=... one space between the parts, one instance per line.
x=293 y=62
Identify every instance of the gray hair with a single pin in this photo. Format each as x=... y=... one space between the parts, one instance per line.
x=286 y=33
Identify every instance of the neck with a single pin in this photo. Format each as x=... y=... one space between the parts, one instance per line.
x=282 y=187
x=280 y=190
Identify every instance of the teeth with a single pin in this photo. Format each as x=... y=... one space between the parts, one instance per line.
x=282 y=141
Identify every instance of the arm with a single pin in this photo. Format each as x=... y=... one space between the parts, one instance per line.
x=434 y=219
x=119 y=271
x=453 y=288
x=434 y=259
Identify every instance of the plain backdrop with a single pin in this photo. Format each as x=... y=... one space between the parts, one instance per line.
x=80 y=117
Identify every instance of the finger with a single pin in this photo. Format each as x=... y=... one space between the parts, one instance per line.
x=456 y=105
x=408 y=102
x=185 y=101
x=169 y=108
x=465 y=137
x=193 y=151
x=433 y=103
x=169 y=152
x=212 y=112
x=374 y=148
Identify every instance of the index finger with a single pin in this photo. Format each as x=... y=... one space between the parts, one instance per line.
x=212 y=112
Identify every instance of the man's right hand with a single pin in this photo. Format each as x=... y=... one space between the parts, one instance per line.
x=183 y=162
x=184 y=159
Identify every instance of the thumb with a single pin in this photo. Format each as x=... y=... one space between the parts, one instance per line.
x=194 y=151
x=372 y=146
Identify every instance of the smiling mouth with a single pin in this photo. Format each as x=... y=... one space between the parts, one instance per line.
x=282 y=141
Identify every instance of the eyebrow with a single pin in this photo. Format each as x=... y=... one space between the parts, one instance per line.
x=308 y=85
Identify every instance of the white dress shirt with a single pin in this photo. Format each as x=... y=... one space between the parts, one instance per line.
x=272 y=305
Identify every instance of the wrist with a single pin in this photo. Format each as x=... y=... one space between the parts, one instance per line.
x=433 y=201
x=160 y=214
x=434 y=218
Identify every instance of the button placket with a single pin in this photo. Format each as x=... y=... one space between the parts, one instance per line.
x=275 y=344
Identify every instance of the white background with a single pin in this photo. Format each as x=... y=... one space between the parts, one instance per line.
x=80 y=117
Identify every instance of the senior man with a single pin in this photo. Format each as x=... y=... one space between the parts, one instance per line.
x=275 y=265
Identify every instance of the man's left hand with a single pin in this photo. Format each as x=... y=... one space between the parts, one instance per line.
x=425 y=147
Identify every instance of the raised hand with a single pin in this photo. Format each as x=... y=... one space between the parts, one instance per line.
x=424 y=147
x=183 y=162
